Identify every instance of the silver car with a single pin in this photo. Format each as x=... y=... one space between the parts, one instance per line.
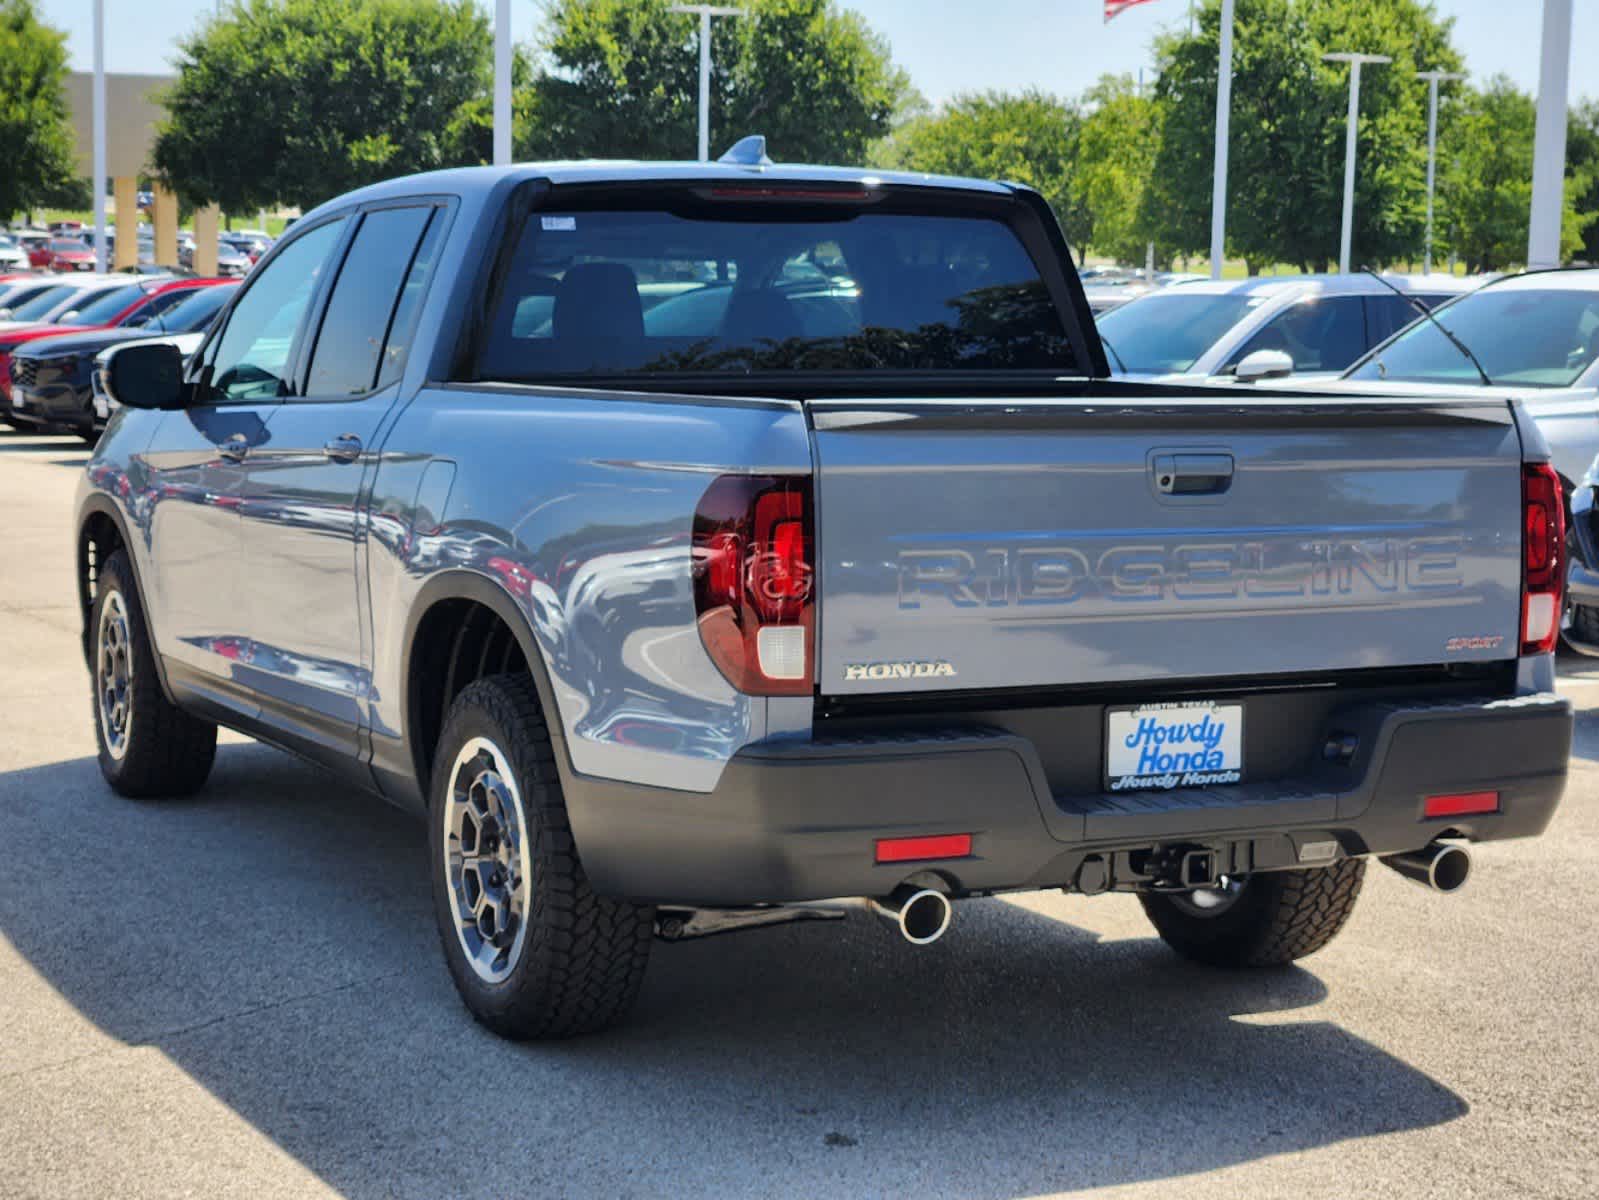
x=1322 y=323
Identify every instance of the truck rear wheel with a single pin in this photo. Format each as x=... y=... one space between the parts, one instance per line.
x=1263 y=921
x=533 y=951
x=147 y=746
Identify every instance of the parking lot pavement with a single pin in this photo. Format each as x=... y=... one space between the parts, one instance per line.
x=242 y=995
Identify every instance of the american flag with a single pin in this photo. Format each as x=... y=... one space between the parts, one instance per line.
x=1116 y=7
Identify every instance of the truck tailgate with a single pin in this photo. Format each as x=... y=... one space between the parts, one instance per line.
x=1035 y=543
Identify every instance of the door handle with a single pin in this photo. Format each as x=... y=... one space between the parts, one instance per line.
x=235 y=449
x=1192 y=474
x=344 y=448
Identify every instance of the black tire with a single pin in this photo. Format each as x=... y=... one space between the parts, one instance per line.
x=579 y=963
x=1276 y=918
x=1585 y=624
x=158 y=749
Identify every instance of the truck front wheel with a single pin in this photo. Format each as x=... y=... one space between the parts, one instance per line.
x=533 y=951
x=147 y=747
x=1263 y=921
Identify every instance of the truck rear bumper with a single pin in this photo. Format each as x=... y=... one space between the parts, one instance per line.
x=794 y=821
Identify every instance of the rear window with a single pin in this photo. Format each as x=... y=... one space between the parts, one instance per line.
x=45 y=302
x=195 y=309
x=105 y=305
x=741 y=290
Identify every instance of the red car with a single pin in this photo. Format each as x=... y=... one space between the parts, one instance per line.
x=38 y=250
x=133 y=304
x=70 y=254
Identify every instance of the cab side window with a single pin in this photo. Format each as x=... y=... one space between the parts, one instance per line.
x=254 y=353
x=373 y=282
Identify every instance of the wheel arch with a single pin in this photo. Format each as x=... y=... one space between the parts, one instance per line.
x=101 y=531
x=448 y=598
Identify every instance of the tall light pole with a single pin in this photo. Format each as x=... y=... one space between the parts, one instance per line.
x=502 y=83
x=1355 y=61
x=97 y=104
x=1224 y=104
x=1549 y=137
x=1433 y=78
x=705 y=12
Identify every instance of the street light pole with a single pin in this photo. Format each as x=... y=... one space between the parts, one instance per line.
x=1433 y=78
x=97 y=104
x=705 y=12
x=1355 y=62
x=1549 y=137
x=502 y=83
x=1218 y=179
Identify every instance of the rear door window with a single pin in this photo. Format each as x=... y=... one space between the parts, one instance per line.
x=742 y=288
x=349 y=346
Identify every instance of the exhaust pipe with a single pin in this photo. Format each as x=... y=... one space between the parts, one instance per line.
x=1440 y=866
x=922 y=914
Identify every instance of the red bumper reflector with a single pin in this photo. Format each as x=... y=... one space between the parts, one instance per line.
x=944 y=845
x=1461 y=804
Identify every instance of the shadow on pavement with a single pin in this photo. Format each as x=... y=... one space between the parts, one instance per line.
x=274 y=939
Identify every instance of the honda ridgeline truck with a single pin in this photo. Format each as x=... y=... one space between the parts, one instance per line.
x=707 y=546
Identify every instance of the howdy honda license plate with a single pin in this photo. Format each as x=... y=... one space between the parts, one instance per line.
x=1173 y=745
x=18 y=400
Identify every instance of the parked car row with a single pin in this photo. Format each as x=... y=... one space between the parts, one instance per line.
x=68 y=247
x=49 y=338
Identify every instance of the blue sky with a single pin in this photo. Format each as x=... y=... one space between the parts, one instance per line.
x=947 y=45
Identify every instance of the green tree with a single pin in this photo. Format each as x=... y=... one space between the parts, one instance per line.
x=1029 y=138
x=1485 y=178
x=1116 y=152
x=1286 y=153
x=1582 y=169
x=295 y=101
x=620 y=78
x=34 y=128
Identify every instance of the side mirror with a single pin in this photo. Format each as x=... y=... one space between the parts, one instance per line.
x=149 y=376
x=1263 y=364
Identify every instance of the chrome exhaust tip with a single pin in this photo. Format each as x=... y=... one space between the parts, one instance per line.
x=1440 y=866
x=922 y=914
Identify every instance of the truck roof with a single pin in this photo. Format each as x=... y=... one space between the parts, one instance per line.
x=477 y=180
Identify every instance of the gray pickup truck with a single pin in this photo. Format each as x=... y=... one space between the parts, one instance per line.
x=702 y=547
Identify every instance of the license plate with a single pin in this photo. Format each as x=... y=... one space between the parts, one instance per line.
x=1173 y=745
x=18 y=400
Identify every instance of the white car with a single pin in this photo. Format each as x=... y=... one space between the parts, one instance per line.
x=1536 y=337
x=1268 y=325
x=67 y=294
x=12 y=256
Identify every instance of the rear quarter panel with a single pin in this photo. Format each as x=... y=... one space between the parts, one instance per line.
x=579 y=508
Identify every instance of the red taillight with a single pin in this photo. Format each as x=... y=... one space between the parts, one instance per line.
x=916 y=849
x=754 y=582
x=1461 y=804
x=1543 y=557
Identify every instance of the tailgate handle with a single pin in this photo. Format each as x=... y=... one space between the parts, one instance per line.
x=1193 y=474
